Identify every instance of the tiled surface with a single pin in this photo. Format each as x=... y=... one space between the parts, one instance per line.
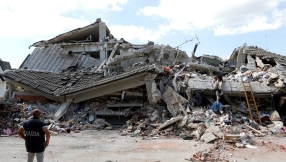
x=54 y=58
x=67 y=83
x=263 y=54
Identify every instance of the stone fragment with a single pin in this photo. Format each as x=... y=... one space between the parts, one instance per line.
x=200 y=131
x=76 y=131
x=170 y=122
x=216 y=131
x=207 y=137
x=275 y=116
x=193 y=125
x=184 y=121
x=123 y=134
x=239 y=145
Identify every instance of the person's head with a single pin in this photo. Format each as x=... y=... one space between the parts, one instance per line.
x=36 y=113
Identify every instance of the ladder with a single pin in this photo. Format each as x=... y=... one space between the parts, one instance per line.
x=250 y=100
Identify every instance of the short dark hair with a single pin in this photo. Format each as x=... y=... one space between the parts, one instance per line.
x=36 y=112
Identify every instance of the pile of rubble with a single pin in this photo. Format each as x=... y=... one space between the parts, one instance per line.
x=159 y=90
x=199 y=123
x=13 y=116
x=78 y=119
x=192 y=122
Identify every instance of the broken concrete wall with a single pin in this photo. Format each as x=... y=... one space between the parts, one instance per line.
x=94 y=32
x=131 y=54
x=230 y=87
x=250 y=63
x=211 y=60
x=167 y=55
x=175 y=102
x=241 y=57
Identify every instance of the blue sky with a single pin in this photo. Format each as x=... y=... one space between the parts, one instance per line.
x=221 y=25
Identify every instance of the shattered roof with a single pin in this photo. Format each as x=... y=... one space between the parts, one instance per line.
x=55 y=59
x=75 y=35
x=66 y=83
x=255 y=51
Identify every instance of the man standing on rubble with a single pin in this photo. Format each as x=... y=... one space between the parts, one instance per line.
x=35 y=132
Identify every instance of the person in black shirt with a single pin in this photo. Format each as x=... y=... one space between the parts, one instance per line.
x=33 y=132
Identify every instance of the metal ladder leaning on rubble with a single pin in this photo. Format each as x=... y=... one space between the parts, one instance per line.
x=250 y=100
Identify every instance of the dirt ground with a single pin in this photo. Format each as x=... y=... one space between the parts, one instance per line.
x=108 y=146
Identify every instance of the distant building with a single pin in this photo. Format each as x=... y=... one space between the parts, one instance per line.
x=3 y=66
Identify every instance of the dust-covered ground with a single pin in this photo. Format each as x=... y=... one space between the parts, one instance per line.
x=108 y=146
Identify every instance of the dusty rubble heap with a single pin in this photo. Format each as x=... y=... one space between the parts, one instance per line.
x=158 y=89
x=14 y=114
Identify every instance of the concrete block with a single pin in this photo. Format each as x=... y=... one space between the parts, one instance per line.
x=211 y=60
x=239 y=145
x=207 y=137
x=193 y=125
x=216 y=131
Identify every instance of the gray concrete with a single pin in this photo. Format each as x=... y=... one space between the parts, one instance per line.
x=231 y=87
x=61 y=111
x=174 y=101
x=114 y=86
x=102 y=35
x=241 y=56
x=250 y=63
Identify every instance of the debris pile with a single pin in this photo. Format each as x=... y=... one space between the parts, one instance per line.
x=212 y=154
x=12 y=115
x=153 y=90
x=78 y=119
x=199 y=124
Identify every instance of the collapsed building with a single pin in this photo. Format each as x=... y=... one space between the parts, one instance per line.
x=89 y=62
x=87 y=72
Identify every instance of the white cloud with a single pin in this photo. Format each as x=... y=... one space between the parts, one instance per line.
x=224 y=17
x=31 y=18
x=132 y=32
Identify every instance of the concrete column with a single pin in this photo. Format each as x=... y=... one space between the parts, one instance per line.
x=102 y=30
x=102 y=55
x=102 y=35
x=150 y=87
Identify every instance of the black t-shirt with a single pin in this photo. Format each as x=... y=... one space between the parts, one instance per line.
x=35 y=136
